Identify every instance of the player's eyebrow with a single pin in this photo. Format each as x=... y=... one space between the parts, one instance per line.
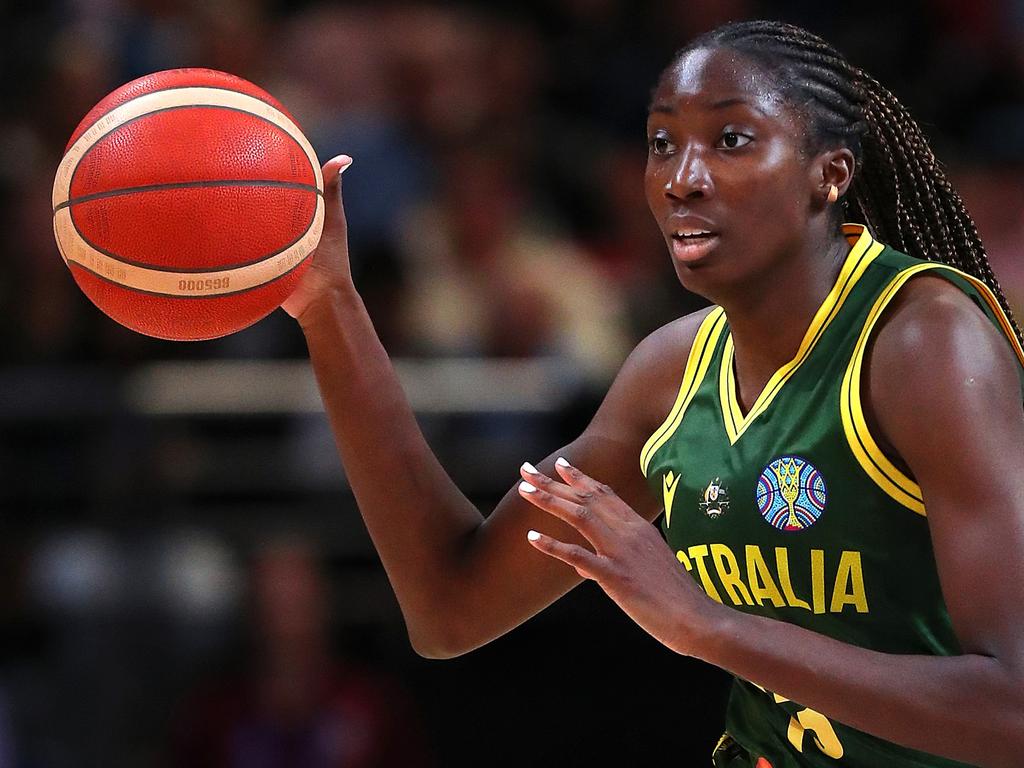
x=665 y=108
x=723 y=103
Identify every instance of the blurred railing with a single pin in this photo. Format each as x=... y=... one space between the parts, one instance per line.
x=235 y=442
x=437 y=386
x=448 y=386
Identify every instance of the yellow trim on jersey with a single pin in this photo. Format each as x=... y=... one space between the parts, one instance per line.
x=696 y=367
x=870 y=457
x=875 y=463
x=731 y=411
x=997 y=310
x=857 y=261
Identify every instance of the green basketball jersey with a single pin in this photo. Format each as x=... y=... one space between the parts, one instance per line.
x=792 y=511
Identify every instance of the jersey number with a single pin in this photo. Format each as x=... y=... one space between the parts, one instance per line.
x=821 y=730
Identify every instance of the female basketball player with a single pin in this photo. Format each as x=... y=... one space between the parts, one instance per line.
x=837 y=445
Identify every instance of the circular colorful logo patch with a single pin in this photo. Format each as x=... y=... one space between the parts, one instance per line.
x=791 y=493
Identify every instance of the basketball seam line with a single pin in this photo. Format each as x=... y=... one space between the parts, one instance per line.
x=278 y=107
x=191 y=270
x=119 y=126
x=187 y=185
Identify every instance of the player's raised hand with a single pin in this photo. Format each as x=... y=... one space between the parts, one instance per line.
x=330 y=268
x=630 y=561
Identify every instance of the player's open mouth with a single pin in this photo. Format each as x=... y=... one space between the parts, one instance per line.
x=692 y=245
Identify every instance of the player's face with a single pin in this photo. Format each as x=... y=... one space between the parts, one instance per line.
x=725 y=156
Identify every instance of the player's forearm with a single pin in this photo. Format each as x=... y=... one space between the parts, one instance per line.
x=968 y=707
x=415 y=515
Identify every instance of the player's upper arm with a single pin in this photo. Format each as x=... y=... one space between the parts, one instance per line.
x=944 y=391
x=503 y=580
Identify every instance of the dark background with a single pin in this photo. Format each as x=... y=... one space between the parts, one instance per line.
x=185 y=578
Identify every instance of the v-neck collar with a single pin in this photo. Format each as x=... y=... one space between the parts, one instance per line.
x=863 y=251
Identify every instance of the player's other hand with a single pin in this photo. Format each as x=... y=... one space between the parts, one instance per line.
x=330 y=268
x=628 y=557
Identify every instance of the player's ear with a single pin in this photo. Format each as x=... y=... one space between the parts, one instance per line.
x=834 y=167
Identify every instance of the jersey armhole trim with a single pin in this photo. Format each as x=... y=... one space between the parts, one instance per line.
x=863 y=446
x=697 y=363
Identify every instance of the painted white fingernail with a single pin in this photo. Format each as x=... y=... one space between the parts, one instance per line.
x=533 y=535
x=562 y=462
x=525 y=487
x=529 y=468
x=346 y=161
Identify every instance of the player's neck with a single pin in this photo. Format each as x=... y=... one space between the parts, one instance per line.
x=769 y=321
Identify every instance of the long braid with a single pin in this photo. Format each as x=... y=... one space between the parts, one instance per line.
x=899 y=189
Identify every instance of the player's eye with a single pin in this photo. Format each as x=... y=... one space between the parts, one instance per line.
x=733 y=140
x=660 y=145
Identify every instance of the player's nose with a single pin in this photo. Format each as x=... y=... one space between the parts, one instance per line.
x=691 y=177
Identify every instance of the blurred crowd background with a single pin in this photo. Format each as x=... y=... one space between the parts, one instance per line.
x=185 y=580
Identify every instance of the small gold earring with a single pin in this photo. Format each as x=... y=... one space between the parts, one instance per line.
x=833 y=193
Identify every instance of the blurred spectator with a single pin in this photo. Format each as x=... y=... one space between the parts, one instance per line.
x=297 y=705
x=333 y=72
x=995 y=199
x=488 y=277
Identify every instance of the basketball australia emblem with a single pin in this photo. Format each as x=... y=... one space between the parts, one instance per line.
x=714 y=502
x=791 y=493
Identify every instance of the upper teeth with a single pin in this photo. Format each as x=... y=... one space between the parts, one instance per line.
x=693 y=233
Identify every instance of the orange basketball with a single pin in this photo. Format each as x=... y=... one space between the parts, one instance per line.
x=187 y=203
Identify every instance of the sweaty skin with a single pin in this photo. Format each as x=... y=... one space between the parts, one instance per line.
x=726 y=150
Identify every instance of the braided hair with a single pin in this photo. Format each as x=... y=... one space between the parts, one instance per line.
x=899 y=191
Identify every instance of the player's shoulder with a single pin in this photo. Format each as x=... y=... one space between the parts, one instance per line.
x=650 y=377
x=943 y=385
x=930 y=318
x=932 y=337
x=669 y=346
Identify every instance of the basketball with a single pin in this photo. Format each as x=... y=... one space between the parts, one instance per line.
x=187 y=203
